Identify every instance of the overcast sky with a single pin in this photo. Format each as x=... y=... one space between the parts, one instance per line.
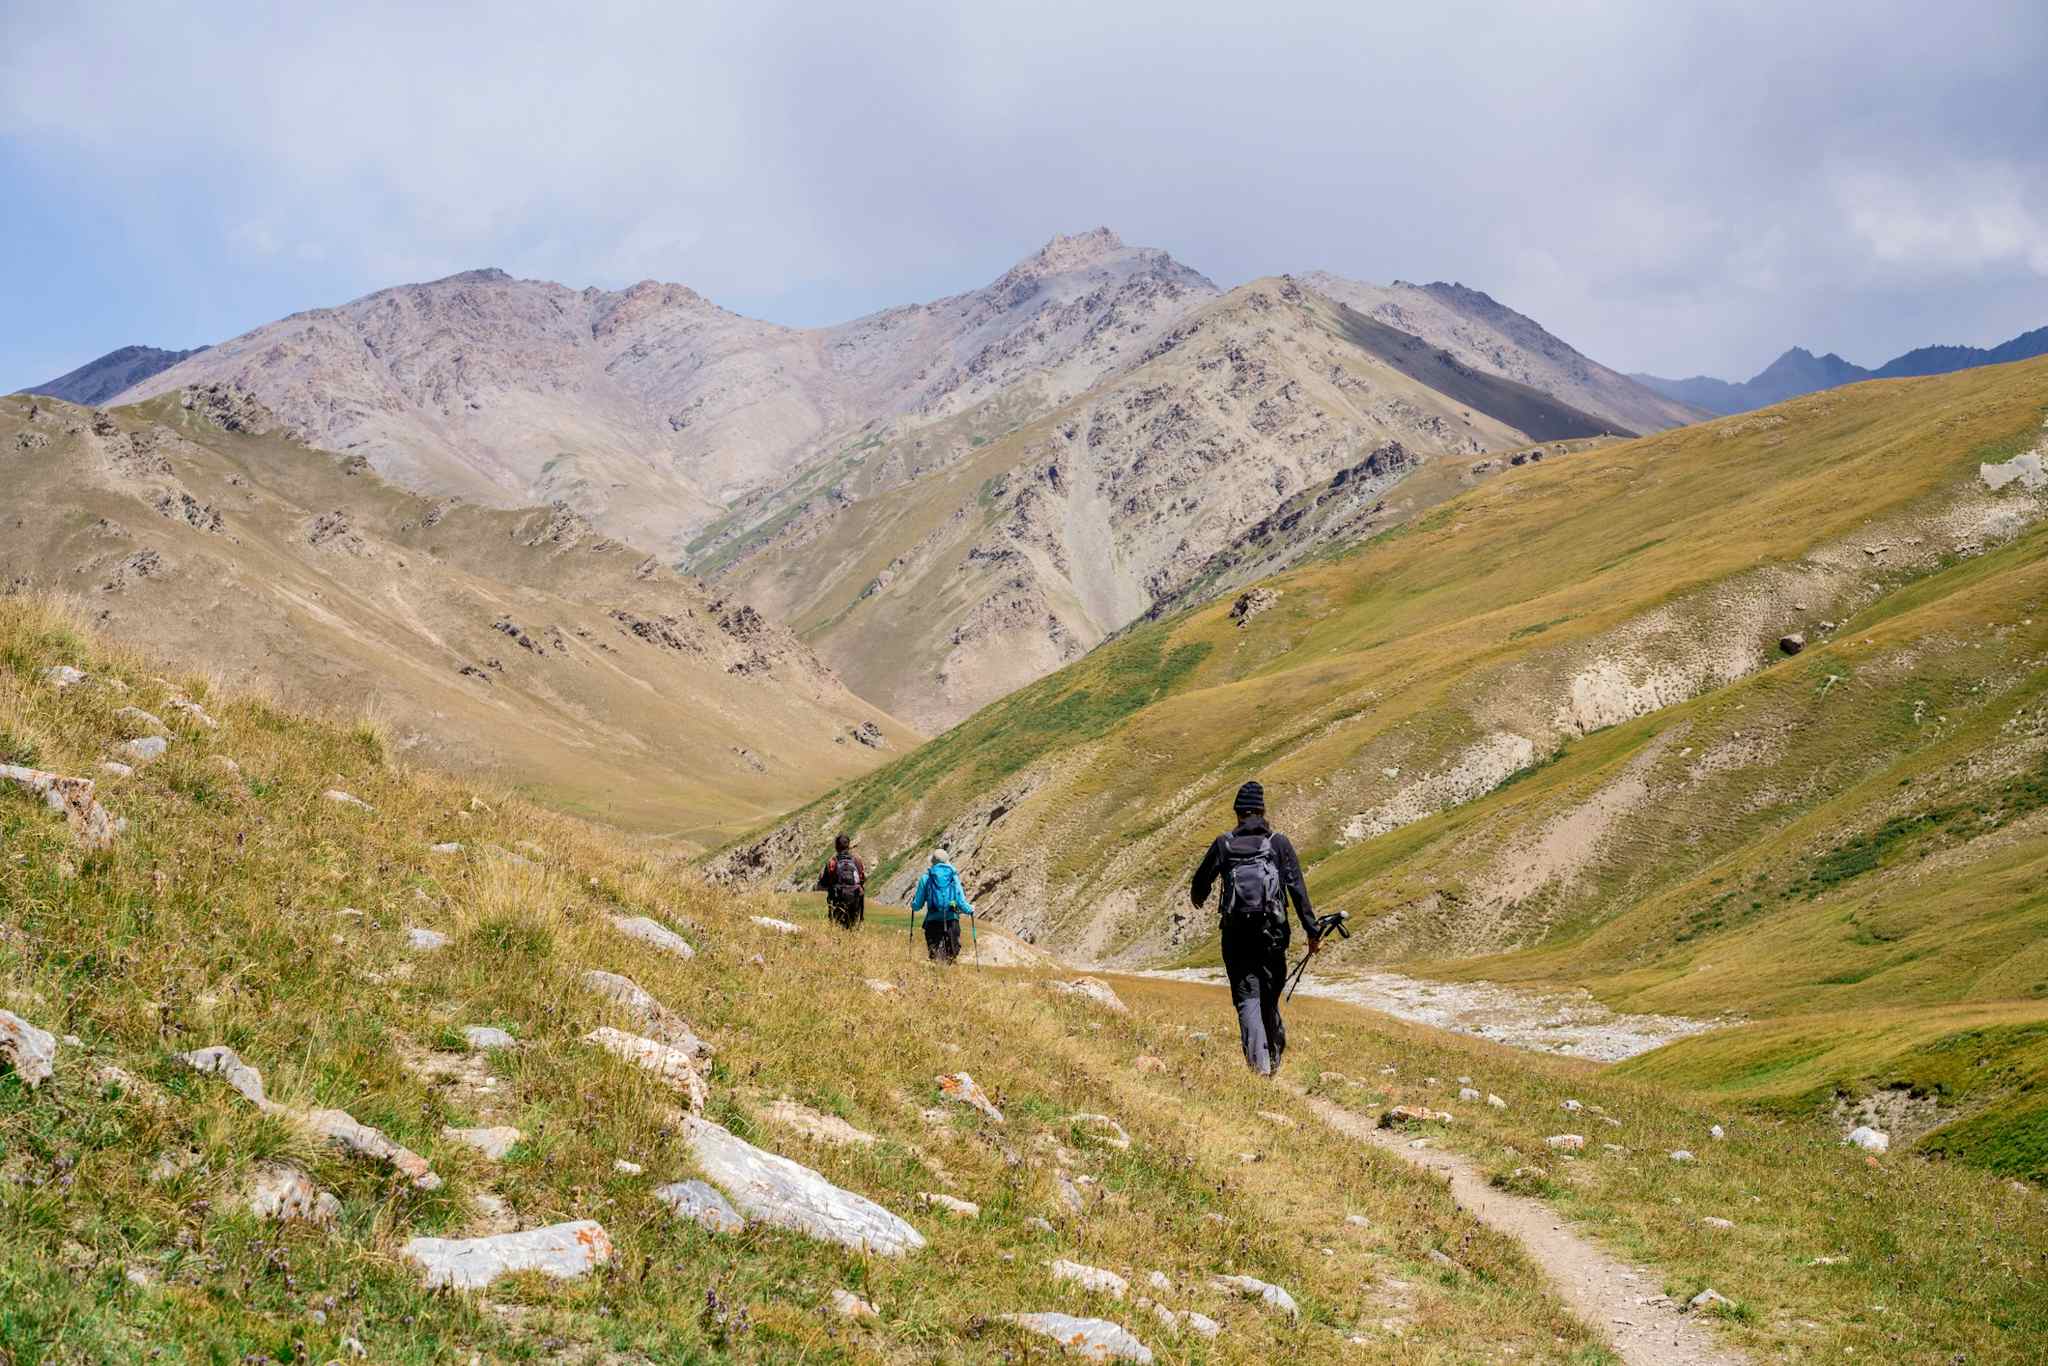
x=1669 y=186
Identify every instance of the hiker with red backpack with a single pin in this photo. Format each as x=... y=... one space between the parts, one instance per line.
x=942 y=899
x=1260 y=873
x=844 y=883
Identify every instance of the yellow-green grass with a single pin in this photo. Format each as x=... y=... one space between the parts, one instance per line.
x=1404 y=652
x=214 y=920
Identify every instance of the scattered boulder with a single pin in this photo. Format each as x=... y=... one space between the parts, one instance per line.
x=817 y=1125
x=653 y=932
x=1717 y=1132
x=1088 y=1339
x=278 y=1191
x=1250 y=603
x=445 y=848
x=194 y=712
x=1494 y=1102
x=701 y=1203
x=1145 y=1062
x=487 y=1037
x=493 y=1142
x=115 y=769
x=962 y=1089
x=651 y=1015
x=1708 y=1299
x=1090 y=1278
x=564 y=1251
x=345 y=1131
x=880 y=987
x=952 y=1204
x=1571 y=1105
x=135 y=721
x=773 y=1190
x=1358 y=1221
x=625 y=1168
x=848 y=1305
x=1713 y=1222
x=869 y=734
x=1869 y=1139
x=73 y=798
x=1278 y=1120
x=142 y=752
x=425 y=940
x=672 y=1065
x=32 y=1052
x=1467 y=1094
x=62 y=676
x=340 y=798
x=1682 y=1155
x=225 y=1063
x=769 y=922
x=1792 y=644
x=1404 y=1116
x=1093 y=989
x=1566 y=1143
x=1251 y=1287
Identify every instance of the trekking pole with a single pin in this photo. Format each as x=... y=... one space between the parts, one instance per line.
x=1324 y=924
x=975 y=930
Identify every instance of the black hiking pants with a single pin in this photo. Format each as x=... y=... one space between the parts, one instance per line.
x=942 y=939
x=1255 y=961
x=847 y=911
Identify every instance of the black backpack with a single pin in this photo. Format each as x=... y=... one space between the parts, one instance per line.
x=1251 y=877
x=845 y=875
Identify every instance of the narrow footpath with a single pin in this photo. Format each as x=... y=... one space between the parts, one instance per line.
x=1622 y=1302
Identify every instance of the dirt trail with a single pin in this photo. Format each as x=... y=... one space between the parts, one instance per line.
x=1618 y=1300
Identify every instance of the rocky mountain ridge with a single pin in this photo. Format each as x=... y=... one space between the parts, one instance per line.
x=96 y=381
x=1799 y=371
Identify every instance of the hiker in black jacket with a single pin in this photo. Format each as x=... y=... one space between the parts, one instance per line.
x=1260 y=873
x=844 y=883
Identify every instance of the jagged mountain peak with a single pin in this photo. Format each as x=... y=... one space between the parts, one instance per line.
x=1075 y=251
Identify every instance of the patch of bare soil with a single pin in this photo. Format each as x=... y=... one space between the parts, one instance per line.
x=1646 y=1327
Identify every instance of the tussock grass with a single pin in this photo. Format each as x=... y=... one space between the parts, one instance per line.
x=217 y=920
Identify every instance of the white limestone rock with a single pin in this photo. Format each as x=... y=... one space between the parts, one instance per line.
x=487 y=1037
x=493 y=1141
x=278 y=1191
x=769 y=922
x=651 y=1015
x=224 y=1062
x=424 y=940
x=671 y=1064
x=31 y=1051
x=951 y=1204
x=564 y=1251
x=1252 y=1288
x=1869 y=1139
x=771 y=1189
x=701 y=1203
x=340 y=798
x=1090 y=1278
x=71 y=798
x=817 y=1125
x=347 y=1132
x=962 y=1089
x=1088 y=1339
x=1092 y=989
x=653 y=932
x=848 y=1305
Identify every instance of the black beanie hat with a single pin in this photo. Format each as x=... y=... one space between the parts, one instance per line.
x=1250 y=797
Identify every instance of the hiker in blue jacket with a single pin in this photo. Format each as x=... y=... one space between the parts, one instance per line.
x=940 y=897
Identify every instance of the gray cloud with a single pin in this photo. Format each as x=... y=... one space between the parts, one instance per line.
x=1671 y=187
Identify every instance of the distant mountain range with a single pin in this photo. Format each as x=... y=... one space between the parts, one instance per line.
x=96 y=381
x=1799 y=371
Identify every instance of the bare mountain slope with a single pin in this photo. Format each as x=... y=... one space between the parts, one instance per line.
x=520 y=643
x=939 y=588
x=649 y=408
x=1478 y=331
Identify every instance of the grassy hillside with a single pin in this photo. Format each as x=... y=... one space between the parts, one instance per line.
x=238 y=906
x=1546 y=733
x=520 y=645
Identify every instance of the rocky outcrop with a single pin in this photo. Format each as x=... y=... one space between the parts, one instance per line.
x=1088 y=1339
x=32 y=1052
x=71 y=797
x=650 y=931
x=562 y=1251
x=773 y=1190
x=651 y=1015
x=702 y=1204
x=673 y=1065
